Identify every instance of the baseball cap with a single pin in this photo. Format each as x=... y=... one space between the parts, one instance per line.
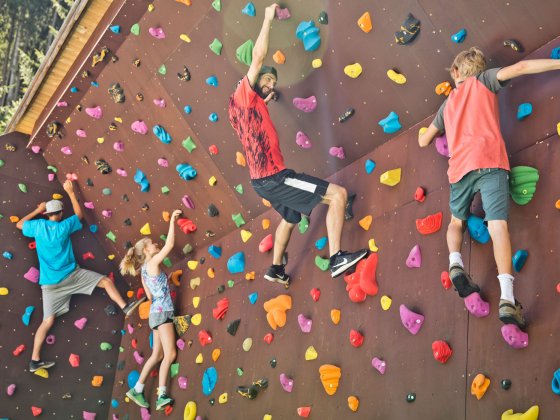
x=53 y=206
x=268 y=69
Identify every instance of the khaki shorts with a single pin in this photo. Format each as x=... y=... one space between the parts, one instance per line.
x=56 y=297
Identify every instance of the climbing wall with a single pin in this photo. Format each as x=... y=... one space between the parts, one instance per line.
x=68 y=391
x=193 y=112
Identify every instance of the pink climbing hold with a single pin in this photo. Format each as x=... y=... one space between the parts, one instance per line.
x=379 y=365
x=305 y=104
x=266 y=244
x=337 y=152
x=145 y=413
x=66 y=150
x=121 y=172
x=118 y=146
x=411 y=320
x=286 y=382
x=80 y=323
x=183 y=382
x=180 y=344
x=107 y=213
x=302 y=140
x=157 y=32
x=414 y=259
x=11 y=389
x=441 y=146
x=72 y=176
x=130 y=328
x=187 y=201
x=95 y=113
x=74 y=360
x=305 y=324
x=515 y=337
x=50 y=177
x=36 y=149
x=283 y=14
x=62 y=104
x=138 y=357
x=160 y=102
x=268 y=338
x=81 y=133
x=476 y=305
x=88 y=415
x=51 y=339
x=32 y=275
x=139 y=127
x=163 y=162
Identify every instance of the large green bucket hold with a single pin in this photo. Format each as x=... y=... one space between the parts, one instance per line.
x=523 y=184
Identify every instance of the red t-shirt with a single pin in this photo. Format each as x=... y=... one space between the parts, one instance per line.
x=248 y=115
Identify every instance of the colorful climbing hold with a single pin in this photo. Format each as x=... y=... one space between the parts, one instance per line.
x=391 y=177
x=412 y=321
x=353 y=70
x=523 y=183
x=379 y=365
x=479 y=385
x=390 y=123
x=459 y=37
x=330 y=377
x=519 y=259
x=276 y=310
x=414 y=259
x=531 y=414
x=441 y=351
x=364 y=22
x=396 y=77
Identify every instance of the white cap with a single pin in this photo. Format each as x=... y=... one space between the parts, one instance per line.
x=53 y=206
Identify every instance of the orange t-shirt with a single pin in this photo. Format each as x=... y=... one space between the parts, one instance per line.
x=249 y=117
x=471 y=120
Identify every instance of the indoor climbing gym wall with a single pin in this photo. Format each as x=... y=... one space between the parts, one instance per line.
x=143 y=128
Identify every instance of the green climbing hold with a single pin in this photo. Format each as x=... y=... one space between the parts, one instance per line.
x=1 y=163
x=217 y=5
x=165 y=189
x=167 y=262
x=239 y=372
x=121 y=349
x=163 y=237
x=238 y=219
x=216 y=46
x=189 y=144
x=187 y=249
x=135 y=29
x=239 y=188
x=244 y=52
x=52 y=168
x=107 y=191
x=22 y=188
x=322 y=263
x=411 y=397
x=162 y=70
x=230 y=283
x=111 y=236
x=106 y=346
x=174 y=369
x=303 y=224
x=523 y=184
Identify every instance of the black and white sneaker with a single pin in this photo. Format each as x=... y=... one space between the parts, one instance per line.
x=343 y=260
x=462 y=281
x=277 y=275
x=35 y=366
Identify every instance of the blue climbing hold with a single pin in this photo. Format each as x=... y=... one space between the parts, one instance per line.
x=459 y=36
x=209 y=379
x=556 y=382
x=555 y=54
x=519 y=259
x=215 y=251
x=94 y=84
x=302 y=27
x=26 y=317
x=478 y=229
x=151 y=339
x=309 y=34
x=249 y=9
x=213 y=117
x=212 y=81
x=321 y=243
x=132 y=378
x=141 y=180
x=253 y=298
x=236 y=263
x=74 y=89
x=161 y=134
x=187 y=172
x=391 y=123
x=116 y=29
x=7 y=255
x=370 y=166
x=114 y=403
x=187 y=109
x=524 y=110
x=93 y=228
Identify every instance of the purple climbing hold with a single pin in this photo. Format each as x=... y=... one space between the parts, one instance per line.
x=283 y=14
x=163 y=162
x=414 y=259
x=476 y=305
x=286 y=382
x=187 y=201
x=304 y=323
x=180 y=343
x=441 y=145
x=305 y=104
x=157 y=32
x=379 y=364
x=95 y=113
x=302 y=140
x=118 y=146
x=337 y=152
x=139 y=127
x=32 y=275
x=515 y=337
x=106 y=213
x=183 y=382
x=411 y=320
x=138 y=357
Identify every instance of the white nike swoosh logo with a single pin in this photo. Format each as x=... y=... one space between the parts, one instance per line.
x=342 y=263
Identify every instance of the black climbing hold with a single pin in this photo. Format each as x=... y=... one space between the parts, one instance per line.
x=89 y=182
x=212 y=401
x=139 y=97
x=85 y=74
x=127 y=245
x=127 y=222
x=409 y=29
x=112 y=127
x=125 y=197
x=232 y=327
x=103 y=166
x=209 y=234
x=323 y=18
x=79 y=108
x=100 y=402
x=221 y=288
x=348 y=213
x=506 y=384
x=145 y=207
x=136 y=62
x=111 y=310
x=109 y=365
x=347 y=114
x=114 y=59
x=85 y=159
x=120 y=365
x=213 y=210
x=114 y=332
x=190 y=343
x=411 y=397
x=67 y=396
x=117 y=93
x=53 y=130
x=185 y=76
x=514 y=44
x=202 y=260
x=273 y=363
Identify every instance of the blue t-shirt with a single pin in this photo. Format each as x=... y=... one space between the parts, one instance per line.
x=159 y=288
x=54 y=249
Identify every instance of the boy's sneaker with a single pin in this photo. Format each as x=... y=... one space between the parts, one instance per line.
x=249 y=392
x=138 y=398
x=344 y=260
x=35 y=366
x=277 y=275
x=462 y=281
x=132 y=305
x=163 y=400
x=511 y=314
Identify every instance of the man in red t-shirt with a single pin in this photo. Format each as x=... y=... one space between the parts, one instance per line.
x=478 y=162
x=290 y=193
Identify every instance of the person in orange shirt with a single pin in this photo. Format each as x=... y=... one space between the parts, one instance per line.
x=478 y=162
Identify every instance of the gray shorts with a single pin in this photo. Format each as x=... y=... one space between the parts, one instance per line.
x=158 y=318
x=493 y=185
x=56 y=297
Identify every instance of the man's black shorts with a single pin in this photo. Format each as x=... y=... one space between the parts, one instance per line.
x=291 y=193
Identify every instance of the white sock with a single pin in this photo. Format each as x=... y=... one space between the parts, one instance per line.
x=161 y=390
x=506 y=286
x=455 y=259
x=139 y=387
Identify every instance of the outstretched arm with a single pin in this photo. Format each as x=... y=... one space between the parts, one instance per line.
x=527 y=67
x=261 y=46
x=169 y=242
x=69 y=188
x=41 y=208
x=425 y=137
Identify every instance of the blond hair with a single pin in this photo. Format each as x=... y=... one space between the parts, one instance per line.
x=134 y=258
x=469 y=63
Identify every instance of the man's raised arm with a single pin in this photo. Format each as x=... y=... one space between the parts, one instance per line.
x=261 y=46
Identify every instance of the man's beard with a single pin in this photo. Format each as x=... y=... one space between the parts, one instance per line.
x=260 y=92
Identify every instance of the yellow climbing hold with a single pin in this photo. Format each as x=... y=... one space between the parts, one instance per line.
x=372 y=246
x=4 y=291
x=267 y=417
x=216 y=354
x=353 y=70
x=190 y=411
x=111 y=257
x=43 y=373
x=240 y=159
x=247 y=344
x=185 y=37
x=145 y=230
x=398 y=78
x=317 y=63
x=151 y=7
x=118 y=119
x=386 y=302
x=57 y=196
x=250 y=275
x=212 y=181
x=211 y=273
x=391 y=178
x=422 y=130
x=266 y=203
x=245 y=235
x=192 y=264
x=558 y=128
x=365 y=222
x=199 y=359
x=100 y=140
x=196 y=301
x=222 y=399
x=311 y=353
x=531 y=414
x=335 y=316
x=196 y=319
x=194 y=283
x=265 y=223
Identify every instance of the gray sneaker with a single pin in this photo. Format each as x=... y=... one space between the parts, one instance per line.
x=138 y=398
x=132 y=305
x=35 y=366
x=511 y=314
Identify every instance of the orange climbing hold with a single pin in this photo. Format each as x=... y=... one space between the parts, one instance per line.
x=330 y=377
x=276 y=310
x=14 y=219
x=429 y=224
x=557 y=205
x=144 y=310
x=266 y=203
x=211 y=273
x=175 y=277
x=479 y=386
x=216 y=354
x=165 y=215
x=279 y=57
x=365 y=222
x=250 y=275
x=265 y=223
x=97 y=381
x=185 y=2
x=364 y=22
x=335 y=316
x=444 y=88
x=353 y=403
x=240 y=159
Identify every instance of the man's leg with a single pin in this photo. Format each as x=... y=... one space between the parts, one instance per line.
x=281 y=239
x=335 y=198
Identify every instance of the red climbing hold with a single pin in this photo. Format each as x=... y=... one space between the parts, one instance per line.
x=268 y=338
x=420 y=195
x=213 y=149
x=168 y=410
x=266 y=244
x=204 y=338
x=315 y=294
x=140 y=293
x=32 y=245
x=441 y=350
x=134 y=343
x=219 y=312
x=19 y=349
x=445 y=280
x=36 y=411
x=304 y=412
x=186 y=225
x=74 y=360
x=362 y=282
x=356 y=338
x=429 y=224
x=88 y=256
